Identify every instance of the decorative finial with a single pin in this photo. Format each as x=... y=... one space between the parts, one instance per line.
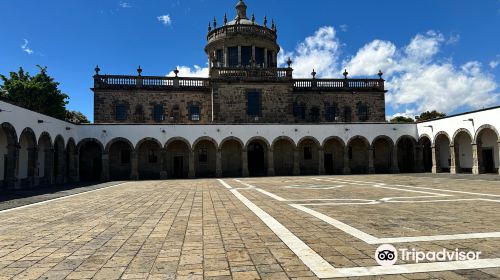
x=225 y=19
x=176 y=71
x=253 y=18
x=241 y=10
x=289 y=62
x=380 y=73
x=265 y=21
x=313 y=73
x=215 y=23
x=209 y=27
x=272 y=24
x=139 y=70
x=345 y=73
x=97 y=69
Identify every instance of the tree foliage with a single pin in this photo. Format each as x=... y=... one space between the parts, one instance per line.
x=39 y=93
x=401 y=119
x=76 y=117
x=430 y=115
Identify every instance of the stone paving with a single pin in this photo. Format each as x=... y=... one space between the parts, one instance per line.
x=200 y=229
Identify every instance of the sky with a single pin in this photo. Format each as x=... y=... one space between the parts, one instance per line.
x=435 y=54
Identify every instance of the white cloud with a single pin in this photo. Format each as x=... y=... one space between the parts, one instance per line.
x=186 y=71
x=25 y=48
x=125 y=5
x=165 y=19
x=495 y=62
x=344 y=27
x=319 y=52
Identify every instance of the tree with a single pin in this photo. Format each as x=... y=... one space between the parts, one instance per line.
x=76 y=117
x=39 y=93
x=430 y=115
x=401 y=119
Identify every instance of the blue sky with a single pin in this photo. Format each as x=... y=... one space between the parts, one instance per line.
x=441 y=55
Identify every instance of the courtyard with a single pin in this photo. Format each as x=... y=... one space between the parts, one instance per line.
x=303 y=227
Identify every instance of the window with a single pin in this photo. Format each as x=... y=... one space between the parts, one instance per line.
x=259 y=57
x=152 y=158
x=299 y=110
x=175 y=116
x=270 y=62
x=203 y=155
x=219 y=56
x=194 y=112
x=233 y=56
x=307 y=153
x=315 y=114
x=362 y=112
x=125 y=156
x=330 y=112
x=121 y=112
x=347 y=114
x=158 y=112
x=246 y=56
x=253 y=104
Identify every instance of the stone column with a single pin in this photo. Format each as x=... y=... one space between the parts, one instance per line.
x=134 y=165
x=218 y=163
x=475 y=159
x=239 y=55
x=105 y=167
x=453 y=160
x=265 y=58
x=395 y=167
x=270 y=162
x=371 y=168
x=347 y=168
x=435 y=160
x=163 y=164
x=296 y=161
x=191 y=171
x=244 y=163
x=321 y=161
x=226 y=61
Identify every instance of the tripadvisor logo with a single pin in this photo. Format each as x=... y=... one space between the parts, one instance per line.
x=387 y=255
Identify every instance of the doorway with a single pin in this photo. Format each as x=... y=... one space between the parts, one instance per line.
x=488 y=160
x=256 y=164
x=328 y=163
x=178 y=167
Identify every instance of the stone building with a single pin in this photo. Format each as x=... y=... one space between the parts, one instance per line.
x=248 y=118
x=244 y=85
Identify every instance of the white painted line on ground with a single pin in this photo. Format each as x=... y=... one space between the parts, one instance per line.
x=60 y=198
x=309 y=257
x=271 y=195
x=224 y=184
x=245 y=184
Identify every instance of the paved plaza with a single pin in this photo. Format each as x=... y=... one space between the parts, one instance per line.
x=256 y=228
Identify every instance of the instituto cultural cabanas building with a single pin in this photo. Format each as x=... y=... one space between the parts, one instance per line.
x=247 y=118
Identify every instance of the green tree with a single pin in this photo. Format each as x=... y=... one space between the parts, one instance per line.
x=76 y=117
x=401 y=119
x=430 y=115
x=39 y=93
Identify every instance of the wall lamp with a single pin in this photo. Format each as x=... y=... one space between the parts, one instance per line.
x=40 y=121
x=68 y=128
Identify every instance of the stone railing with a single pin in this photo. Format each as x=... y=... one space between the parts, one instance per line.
x=338 y=84
x=251 y=73
x=230 y=30
x=149 y=82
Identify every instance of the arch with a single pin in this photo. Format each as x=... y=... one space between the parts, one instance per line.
x=357 y=149
x=483 y=127
x=382 y=148
x=120 y=151
x=71 y=160
x=178 y=153
x=487 y=149
x=406 y=152
x=459 y=131
x=257 y=156
x=117 y=139
x=148 y=152
x=147 y=139
x=423 y=136
x=205 y=156
x=90 y=159
x=308 y=155
x=59 y=163
x=27 y=157
x=283 y=155
x=181 y=139
x=333 y=150
x=45 y=163
x=257 y=138
x=8 y=155
x=442 y=150
x=231 y=156
x=425 y=143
